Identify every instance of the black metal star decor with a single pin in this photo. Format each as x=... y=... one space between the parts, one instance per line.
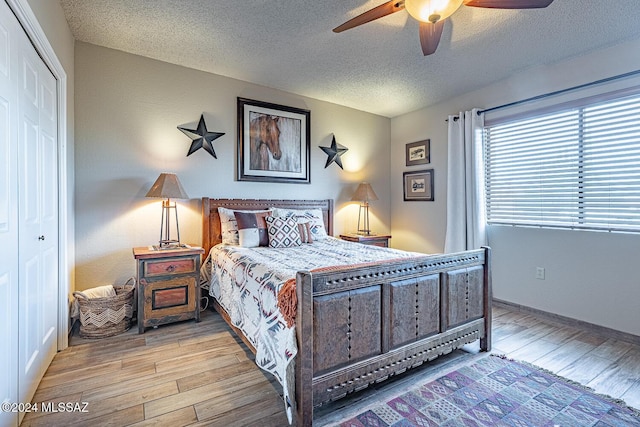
x=334 y=152
x=201 y=138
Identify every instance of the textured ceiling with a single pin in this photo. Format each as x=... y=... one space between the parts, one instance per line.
x=377 y=67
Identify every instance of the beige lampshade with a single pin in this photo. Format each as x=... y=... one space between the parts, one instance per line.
x=364 y=193
x=167 y=186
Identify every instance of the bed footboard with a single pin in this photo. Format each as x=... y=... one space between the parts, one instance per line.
x=358 y=326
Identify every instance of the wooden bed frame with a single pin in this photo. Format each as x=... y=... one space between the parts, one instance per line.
x=356 y=326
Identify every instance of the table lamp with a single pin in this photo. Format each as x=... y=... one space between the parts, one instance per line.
x=168 y=187
x=364 y=193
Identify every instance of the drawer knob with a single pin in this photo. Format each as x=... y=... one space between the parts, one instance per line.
x=170 y=268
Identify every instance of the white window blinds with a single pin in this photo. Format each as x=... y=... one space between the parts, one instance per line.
x=578 y=168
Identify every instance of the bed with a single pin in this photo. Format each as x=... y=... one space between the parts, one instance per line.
x=357 y=324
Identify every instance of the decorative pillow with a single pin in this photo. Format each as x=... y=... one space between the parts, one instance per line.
x=229 y=225
x=312 y=216
x=252 y=228
x=305 y=232
x=283 y=232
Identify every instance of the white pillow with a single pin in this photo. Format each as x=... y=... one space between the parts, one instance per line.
x=312 y=216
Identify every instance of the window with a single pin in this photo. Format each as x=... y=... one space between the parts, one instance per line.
x=578 y=168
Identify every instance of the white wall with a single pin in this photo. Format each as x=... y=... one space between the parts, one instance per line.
x=590 y=276
x=128 y=110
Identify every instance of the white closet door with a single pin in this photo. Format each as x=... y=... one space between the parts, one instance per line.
x=8 y=217
x=28 y=216
x=49 y=224
x=37 y=218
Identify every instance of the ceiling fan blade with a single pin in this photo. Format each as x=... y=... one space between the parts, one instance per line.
x=371 y=15
x=430 y=36
x=508 y=4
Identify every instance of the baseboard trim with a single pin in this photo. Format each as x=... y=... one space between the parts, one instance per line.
x=568 y=321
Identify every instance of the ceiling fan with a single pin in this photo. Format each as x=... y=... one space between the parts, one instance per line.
x=432 y=14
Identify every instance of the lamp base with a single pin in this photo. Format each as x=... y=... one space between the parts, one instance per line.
x=168 y=244
x=363 y=213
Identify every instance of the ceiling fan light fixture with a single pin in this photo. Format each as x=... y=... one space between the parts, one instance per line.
x=431 y=10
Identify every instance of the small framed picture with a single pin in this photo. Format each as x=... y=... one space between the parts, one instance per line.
x=418 y=186
x=418 y=153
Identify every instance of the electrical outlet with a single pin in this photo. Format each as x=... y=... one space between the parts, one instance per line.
x=540 y=273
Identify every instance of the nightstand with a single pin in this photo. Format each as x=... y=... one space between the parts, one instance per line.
x=168 y=285
x=372 y=239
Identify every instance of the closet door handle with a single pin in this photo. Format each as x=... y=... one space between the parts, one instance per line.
x=41 y=238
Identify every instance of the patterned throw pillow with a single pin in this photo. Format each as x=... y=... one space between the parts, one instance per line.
x=312 y=216
x=252 y=228
x=306 y=236
x=283 y=232
x=229 y=225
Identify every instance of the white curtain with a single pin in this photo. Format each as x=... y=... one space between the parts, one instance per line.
x=466 y=219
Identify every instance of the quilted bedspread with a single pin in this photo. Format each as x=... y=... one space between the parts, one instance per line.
x=246 y=281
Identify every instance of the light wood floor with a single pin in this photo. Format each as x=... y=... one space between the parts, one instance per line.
x=202 y=375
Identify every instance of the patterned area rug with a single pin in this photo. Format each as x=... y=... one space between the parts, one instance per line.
x=498 y=392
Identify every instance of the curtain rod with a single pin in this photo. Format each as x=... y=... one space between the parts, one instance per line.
x=561 y=91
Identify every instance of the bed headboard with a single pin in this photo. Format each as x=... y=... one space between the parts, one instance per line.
x=211 y=232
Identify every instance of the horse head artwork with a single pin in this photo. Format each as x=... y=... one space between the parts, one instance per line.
x=264 y=138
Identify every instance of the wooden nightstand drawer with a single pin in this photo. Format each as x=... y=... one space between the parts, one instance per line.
x=169 y=300
x=166 y=267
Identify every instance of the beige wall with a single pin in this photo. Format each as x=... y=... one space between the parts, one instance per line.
x=590 y=276
x=419 y=226
x=128 y=110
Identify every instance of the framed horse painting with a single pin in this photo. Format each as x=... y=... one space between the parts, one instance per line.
x=273 y=142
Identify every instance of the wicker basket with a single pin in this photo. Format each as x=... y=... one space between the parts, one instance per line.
x=109 y=316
